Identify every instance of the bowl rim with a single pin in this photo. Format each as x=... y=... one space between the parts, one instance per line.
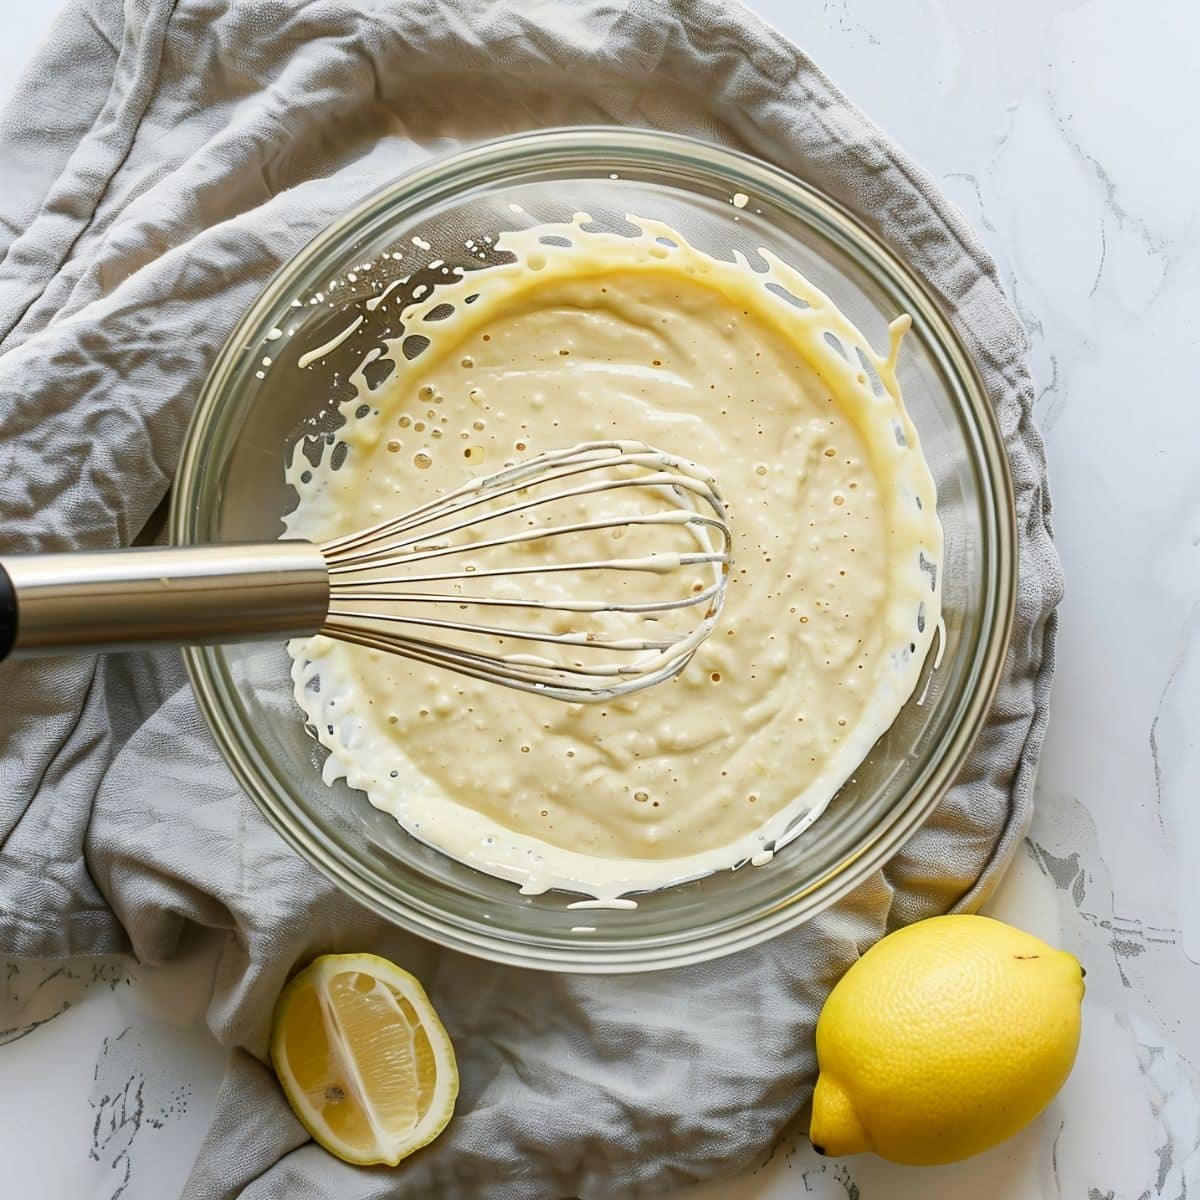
x=250 y=763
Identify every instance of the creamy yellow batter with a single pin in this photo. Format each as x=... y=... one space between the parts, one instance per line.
x=831 y=607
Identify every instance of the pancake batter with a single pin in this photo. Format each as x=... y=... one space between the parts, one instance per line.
x=830 y=612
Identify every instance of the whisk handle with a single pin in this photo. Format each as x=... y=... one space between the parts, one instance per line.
x=124 y=599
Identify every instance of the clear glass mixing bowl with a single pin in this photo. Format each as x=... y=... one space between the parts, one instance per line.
x=231 y=488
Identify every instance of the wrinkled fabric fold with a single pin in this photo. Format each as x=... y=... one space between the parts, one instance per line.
x=161 y=160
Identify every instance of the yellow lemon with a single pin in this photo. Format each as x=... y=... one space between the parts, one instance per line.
x=363 y=1059
x=944 y=1039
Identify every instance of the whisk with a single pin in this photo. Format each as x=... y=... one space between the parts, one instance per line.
x=497 y=579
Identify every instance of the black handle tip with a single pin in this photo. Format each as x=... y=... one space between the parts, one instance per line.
x=8 y=614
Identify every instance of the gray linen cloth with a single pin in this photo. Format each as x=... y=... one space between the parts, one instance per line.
x=161 y=159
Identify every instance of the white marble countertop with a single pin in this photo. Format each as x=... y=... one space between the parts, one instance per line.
x=1065 y=130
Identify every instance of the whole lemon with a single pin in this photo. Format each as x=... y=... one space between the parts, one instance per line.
x=944 y=1039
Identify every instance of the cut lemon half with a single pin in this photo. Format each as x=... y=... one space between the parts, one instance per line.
x=363 y=1059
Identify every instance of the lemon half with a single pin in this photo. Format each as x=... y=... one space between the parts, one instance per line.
x=363 y=1059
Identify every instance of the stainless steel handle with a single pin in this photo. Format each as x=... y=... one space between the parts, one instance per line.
x=122 y=599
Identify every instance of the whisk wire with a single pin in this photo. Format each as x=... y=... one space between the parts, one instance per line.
x=384 y=557
x=517 y=478
x=503 y=633
x=564 y=606
x=378 y=601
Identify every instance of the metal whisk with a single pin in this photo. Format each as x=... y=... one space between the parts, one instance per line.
x=498 y=579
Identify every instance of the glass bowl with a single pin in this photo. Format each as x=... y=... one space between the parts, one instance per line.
x=256 y=403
